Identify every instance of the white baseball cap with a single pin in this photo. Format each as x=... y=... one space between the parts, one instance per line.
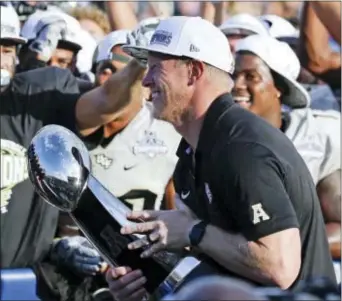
x=279 y=27
x=139 y=38
x=115 y=38
x=243 y=23
x=281 y=59
x=10 y=25
x=192 y=37
x=71 y=35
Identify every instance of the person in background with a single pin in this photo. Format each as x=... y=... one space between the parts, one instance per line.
x=109 y=56
x=240 y=26
x=329 y=12
x=284 y=9
x=131 y=145
x=279 y=27
x=26 y=8
x=263 y=83
x=314 y=51
x=61 y=42
x=148 y=9
x=54 y=35
x=186 y=8
x=322 y=96
x=84 y=60
x=145 y=146
x=92 y=19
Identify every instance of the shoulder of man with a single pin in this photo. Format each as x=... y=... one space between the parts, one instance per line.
x=326 y=114
x=329 y=123
x=313 y=126
x=46 y=79
x=316 y=135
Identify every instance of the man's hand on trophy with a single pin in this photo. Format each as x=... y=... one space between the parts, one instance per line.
x=125 y=284
x=165 y=230
x=77 y=254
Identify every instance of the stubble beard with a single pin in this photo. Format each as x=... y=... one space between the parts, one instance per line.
x=176 y=110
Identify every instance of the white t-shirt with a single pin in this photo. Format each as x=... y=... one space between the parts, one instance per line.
x=139 y=162
x=316 y=135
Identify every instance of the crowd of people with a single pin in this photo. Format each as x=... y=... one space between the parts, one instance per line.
x=217 y=123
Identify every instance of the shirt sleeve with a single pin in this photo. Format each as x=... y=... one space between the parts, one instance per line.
x=253 y=185
x=62 y=100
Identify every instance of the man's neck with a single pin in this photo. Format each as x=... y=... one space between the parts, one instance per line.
x=190 y=130
x=275 y=120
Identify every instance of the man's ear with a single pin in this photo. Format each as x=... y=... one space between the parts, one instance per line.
x=195 y=72
x=279 y=92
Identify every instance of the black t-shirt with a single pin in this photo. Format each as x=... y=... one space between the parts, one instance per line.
x=34 y=99
x=248 y=178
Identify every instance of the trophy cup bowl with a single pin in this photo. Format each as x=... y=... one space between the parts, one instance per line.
x=58 y=166
x=60 y=169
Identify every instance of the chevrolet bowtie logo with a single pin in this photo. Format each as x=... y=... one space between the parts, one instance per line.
x=193 y=48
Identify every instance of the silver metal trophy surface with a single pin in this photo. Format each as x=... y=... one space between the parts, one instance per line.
x=60 y=169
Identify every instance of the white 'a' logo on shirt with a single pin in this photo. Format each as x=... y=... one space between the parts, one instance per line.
x=259 y=214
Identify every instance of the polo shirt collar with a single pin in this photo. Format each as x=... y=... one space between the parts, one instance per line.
x=211 y=118
x=207 y=135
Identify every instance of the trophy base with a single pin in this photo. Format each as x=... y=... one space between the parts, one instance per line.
x=99 y=226
x=101 y=216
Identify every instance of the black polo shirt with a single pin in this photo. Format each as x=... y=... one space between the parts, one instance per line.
x=247 y=177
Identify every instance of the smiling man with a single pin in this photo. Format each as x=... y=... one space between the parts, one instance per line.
x=245 y=197
x=263 y=84
x=136 y=148
x=54 y=35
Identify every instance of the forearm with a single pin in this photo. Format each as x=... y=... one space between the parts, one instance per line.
x=220 y=12
x=121 y=15
x=329 y=193
x=236 y=254
x=315 y=53
x=330 y=15
x=251 y=260
x=103 y=104
x=207 y=11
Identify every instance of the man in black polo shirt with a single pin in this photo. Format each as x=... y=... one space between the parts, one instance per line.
x=254 y=206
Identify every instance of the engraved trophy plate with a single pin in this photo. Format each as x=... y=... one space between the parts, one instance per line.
x=60 y=169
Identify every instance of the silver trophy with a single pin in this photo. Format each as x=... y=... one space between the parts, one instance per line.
x=60 y=169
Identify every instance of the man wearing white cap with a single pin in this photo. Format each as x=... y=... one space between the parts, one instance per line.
x=145 y=180
x=279 y=27
x=52 y=41
x=240 y=26
x=109 y=55
x=263 y=83
x=10 y=39
x=245 y=197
